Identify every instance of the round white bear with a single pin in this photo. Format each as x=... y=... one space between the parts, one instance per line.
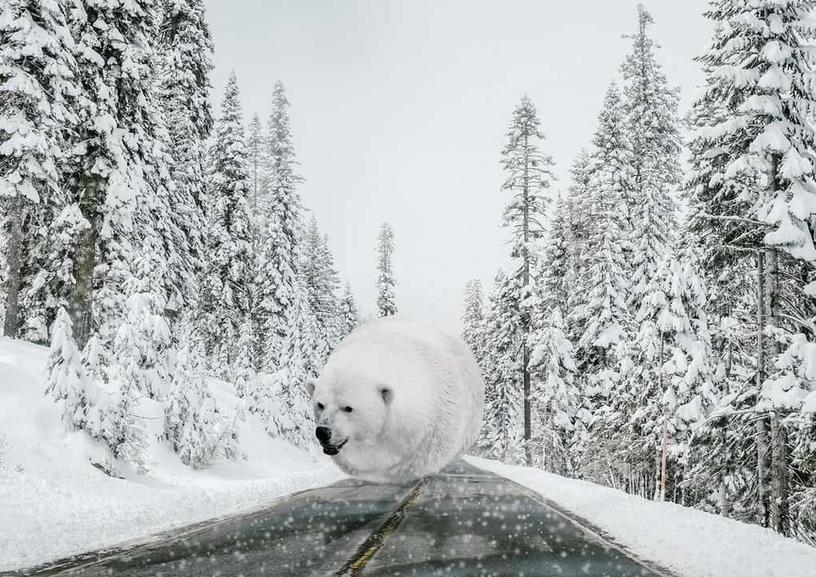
x=397 y=400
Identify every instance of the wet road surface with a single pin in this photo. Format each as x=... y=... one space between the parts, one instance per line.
x=462 y=522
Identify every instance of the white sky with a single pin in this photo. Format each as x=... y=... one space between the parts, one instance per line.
x=399 y=111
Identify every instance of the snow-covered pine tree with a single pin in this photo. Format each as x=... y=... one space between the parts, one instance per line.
x=558 y=428
x=197 y=430
x=184 y=63
x=718 y=197
x=653 y=132
x=795 y=379
x=37 y=89
x=280 y=234
x=577 y=205
x=603 y=313
x=554 y=275
x=761 y=64
x=528 y=175
x=473 y=318
x=714 y=198
x=556 y=434
x=502 y=431
x=348 y=313
x=117 y=210
x=143 y=340
x=227 y=283
x=674 y=377
x=576 y=213
x=257 y=162
x=118 y=176
x=67 y=383
x=322 y=282
x=302 y=356
x=386 y=298
x=141 y=369
x=244 y=368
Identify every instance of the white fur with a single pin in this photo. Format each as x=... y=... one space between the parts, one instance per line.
x=416 y=396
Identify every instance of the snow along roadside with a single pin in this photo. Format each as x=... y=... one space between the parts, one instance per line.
x=54 y=503
x=47 y=522
x=688 y=542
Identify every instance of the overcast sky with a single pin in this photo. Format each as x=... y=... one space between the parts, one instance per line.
x=399 y=112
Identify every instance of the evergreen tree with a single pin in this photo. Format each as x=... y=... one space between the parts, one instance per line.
x=603 y=314
x=140 y=350
x=280 y=234
x=502 y=430
x=227 y=284
x=473 y=317
x=755 y=188
x=195 y=427
x=528 y=175
x=386 y=299
x=557 y=434
x=37 y=92
x=322 y=282
x=674 y=378
x=115 y=230
x=257 y=162
x=303 y=356
x=651 y=109
x=67 y=383
x=348 y=313
x=185 y=61
x=554 y=275
x=557 y=431
x=245 y=369
x=577 y=222
x=577 y=206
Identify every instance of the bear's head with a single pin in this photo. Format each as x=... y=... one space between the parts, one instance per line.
x=350 y=413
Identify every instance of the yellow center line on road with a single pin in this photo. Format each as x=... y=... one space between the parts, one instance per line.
x=374 y=541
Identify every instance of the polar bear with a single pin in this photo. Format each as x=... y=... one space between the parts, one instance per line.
x=397 y=400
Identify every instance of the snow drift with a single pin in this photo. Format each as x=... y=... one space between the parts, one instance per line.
x=397 y=400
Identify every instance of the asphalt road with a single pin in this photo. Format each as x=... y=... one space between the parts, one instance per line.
x=462 y=522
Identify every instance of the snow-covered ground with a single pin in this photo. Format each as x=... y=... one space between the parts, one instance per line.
x=54 y=503
x=688 y=542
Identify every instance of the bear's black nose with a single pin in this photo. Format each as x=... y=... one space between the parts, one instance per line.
x=323 y=434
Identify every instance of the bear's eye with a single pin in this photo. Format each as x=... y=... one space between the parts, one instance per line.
x=348 y=409
x=320 y=406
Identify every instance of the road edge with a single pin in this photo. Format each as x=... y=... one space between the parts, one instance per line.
x=595 y=531
x=91 y=558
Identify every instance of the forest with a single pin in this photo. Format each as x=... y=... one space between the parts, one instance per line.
x=657 y=332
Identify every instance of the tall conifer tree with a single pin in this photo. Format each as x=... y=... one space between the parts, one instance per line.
x=386 y=298
x=528 y=175
x=228 y=281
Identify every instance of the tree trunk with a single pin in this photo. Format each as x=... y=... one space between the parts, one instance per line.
x=778 y=441
x=763 y=452
x=528 y=450
x=779 y=465
x=722 y=491
x=14 y=244
x=779 y=476
x=84 y=264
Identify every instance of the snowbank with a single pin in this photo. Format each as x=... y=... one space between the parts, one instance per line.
x=54 y=503
x=688 y=542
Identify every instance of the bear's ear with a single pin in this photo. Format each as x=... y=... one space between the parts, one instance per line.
x=386 y=393
x=310 y=385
